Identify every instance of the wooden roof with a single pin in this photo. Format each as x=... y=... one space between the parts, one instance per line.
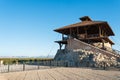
x=86 y=21
x=85 y=18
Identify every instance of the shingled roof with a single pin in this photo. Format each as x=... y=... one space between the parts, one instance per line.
x=86 y=21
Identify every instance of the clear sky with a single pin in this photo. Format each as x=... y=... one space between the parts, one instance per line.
x=26 y=26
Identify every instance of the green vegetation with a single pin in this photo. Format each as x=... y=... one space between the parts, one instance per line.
x=23 y=60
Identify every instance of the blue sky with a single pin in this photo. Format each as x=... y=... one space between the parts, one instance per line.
x=26 y=26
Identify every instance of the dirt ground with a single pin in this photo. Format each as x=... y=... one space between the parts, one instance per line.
x=62 y=74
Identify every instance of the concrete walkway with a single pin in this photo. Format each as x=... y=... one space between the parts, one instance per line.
x=62 y=74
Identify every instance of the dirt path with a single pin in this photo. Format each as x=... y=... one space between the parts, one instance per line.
x=62 y=74
x=3 y=77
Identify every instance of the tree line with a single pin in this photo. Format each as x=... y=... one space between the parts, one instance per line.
x=23 y=60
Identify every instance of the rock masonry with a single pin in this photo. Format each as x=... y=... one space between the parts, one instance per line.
x=85 y=58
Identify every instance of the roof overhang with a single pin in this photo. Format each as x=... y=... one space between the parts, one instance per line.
x=81 y=25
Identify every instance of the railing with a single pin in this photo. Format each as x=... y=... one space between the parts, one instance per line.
x=83 y=36
x=92 y=35
x=114 y=51
x=65 y=38
x=54 y=64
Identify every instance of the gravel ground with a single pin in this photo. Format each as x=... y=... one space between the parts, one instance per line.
x=62 y=74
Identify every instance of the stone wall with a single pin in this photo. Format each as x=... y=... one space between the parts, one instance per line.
x=84 y=54
x=81 y=57
x=77 y=44
x=107 y=45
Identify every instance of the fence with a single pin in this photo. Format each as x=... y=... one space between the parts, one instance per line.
x=53 y=64
x=24 y=66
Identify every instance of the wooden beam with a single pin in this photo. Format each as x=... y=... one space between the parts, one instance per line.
x=60 y=45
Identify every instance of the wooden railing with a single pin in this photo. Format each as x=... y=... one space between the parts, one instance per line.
x=92 y=35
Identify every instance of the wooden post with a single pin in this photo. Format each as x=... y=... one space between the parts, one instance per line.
x=103 y=44
x=8 y=67
x=102 y=32
x=77 y=31
x=70 y=32
x=38 y=65
x=99 y=31
x=85 y=32
x=104 y=65
x=50 y=63
x=60 y=46
x=62 y=36
x=24 y=66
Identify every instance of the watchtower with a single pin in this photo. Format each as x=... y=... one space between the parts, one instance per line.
x=92 y=32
